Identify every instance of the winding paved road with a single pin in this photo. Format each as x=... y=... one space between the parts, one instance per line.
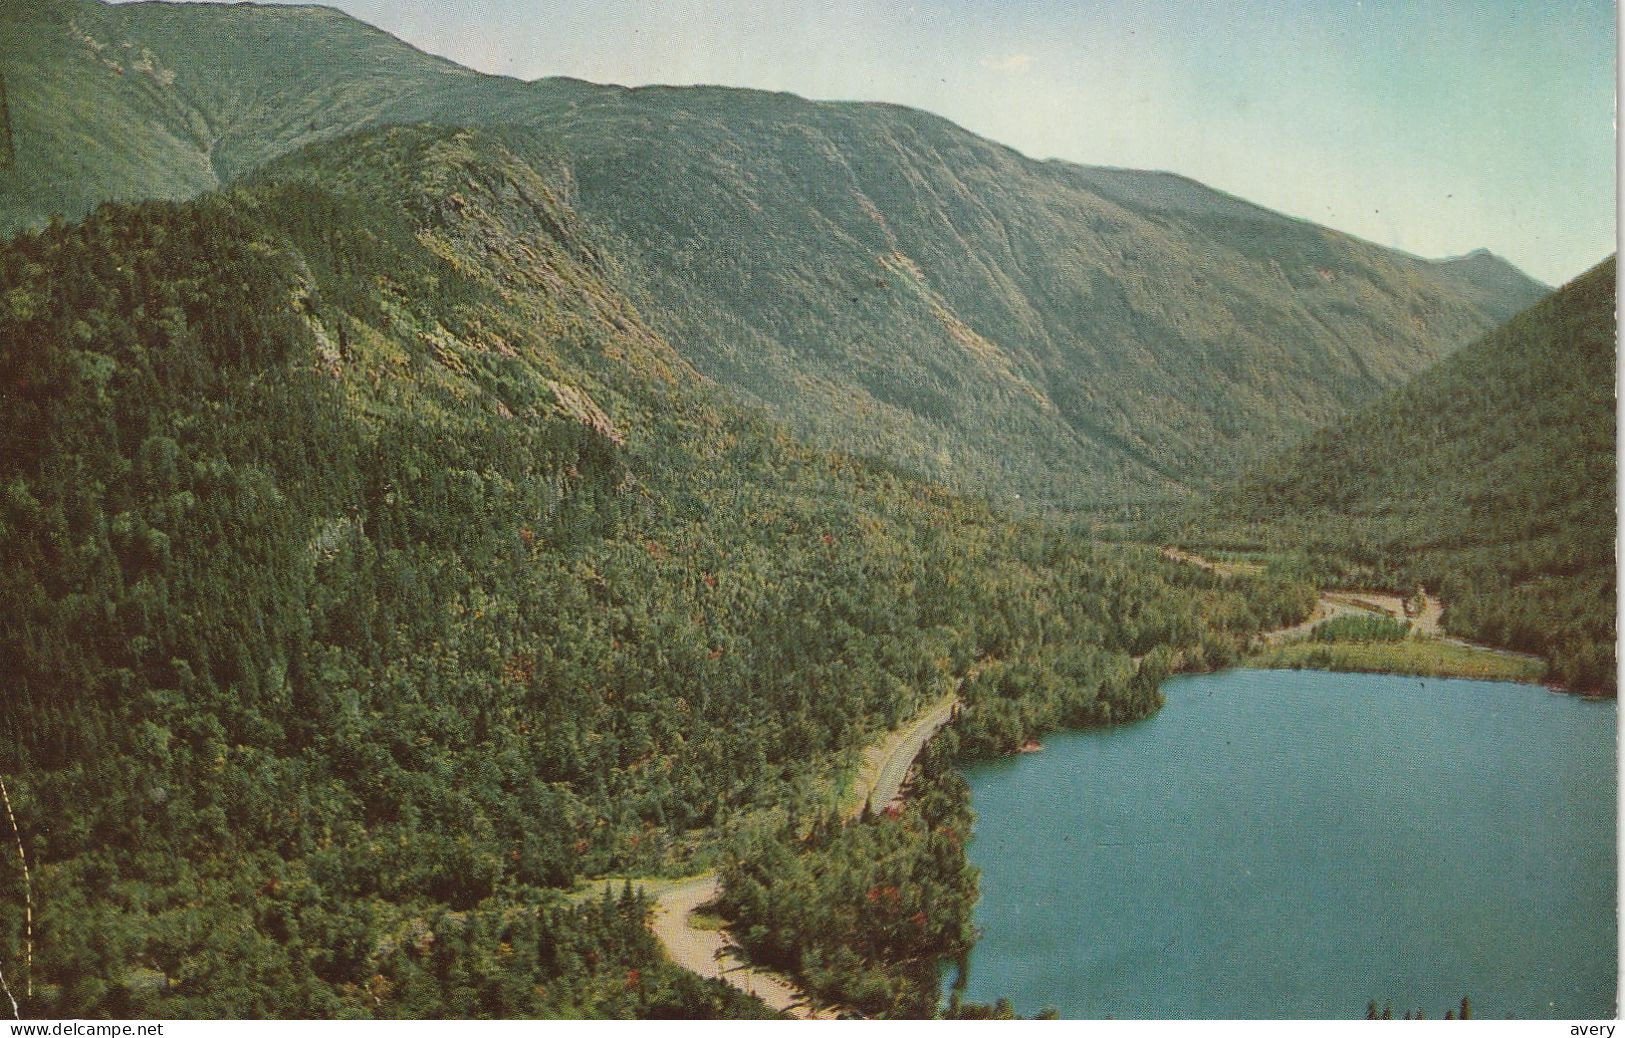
x=886 y=763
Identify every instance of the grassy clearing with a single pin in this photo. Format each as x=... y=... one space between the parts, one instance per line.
x=1360 y=629
x=1249 y=561
x=1424 y=657
x=706 y=921
x=654 y=886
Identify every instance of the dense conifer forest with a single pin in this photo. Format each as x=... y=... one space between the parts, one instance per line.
x=376 y=574
x=428 y=499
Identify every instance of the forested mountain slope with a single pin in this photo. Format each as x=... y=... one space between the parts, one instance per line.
x=886 y=279
x=375 y=571
x=1490 y=479
x=875 y=276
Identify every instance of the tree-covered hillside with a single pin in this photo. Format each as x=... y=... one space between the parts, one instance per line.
x=892 y=283
x=1490 y=479
x=421 y=492
x=874 y=276
x=375 y=572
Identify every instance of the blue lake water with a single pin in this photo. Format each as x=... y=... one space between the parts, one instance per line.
x=1297 y=843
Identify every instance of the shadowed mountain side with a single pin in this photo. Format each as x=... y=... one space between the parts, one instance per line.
x=1489 y=478
x=885 y=278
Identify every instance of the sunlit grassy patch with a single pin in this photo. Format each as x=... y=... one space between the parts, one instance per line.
x=706 y=921
x=1420 y=656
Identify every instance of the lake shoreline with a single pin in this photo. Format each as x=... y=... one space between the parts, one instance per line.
x=1004 y=784
x=1419 y=657
x=1427 y=652
x=1423 y=658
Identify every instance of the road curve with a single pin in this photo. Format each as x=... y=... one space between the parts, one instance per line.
x=712 y=953
x=1325 y=609
x=1427 y=622
x=886 y=763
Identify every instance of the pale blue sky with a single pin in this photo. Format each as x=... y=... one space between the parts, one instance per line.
x=1436 y=126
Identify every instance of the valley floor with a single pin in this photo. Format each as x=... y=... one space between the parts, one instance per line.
x=1427 y=652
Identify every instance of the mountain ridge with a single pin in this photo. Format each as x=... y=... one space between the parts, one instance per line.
x=450 y=66
x=884 y=281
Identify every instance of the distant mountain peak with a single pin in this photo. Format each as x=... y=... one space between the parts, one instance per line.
x=1492 y=280
x=1481 y=258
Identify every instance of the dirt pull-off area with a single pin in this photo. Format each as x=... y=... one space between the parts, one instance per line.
x=711 y=953
x=1324 y=610
x=1426 y=621
x=1429 y=620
